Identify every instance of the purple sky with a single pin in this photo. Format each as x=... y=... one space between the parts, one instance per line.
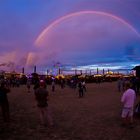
x=84 y=39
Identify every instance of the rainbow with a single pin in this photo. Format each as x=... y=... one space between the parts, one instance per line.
x=40 y=38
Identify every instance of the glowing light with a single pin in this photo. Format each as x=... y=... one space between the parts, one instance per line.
x=31 y=59
x=40 y=38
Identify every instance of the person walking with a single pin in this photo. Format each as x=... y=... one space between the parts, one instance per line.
x=41 y=95
x=128 y=100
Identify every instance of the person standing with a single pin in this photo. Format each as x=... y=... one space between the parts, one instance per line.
x=4 y=103
x=80 y=86
x=128 y=100
x=84 y=86
x=62 y=83
x=53 y=85
x=137 y=85
x=120 y=84
x=29 y=85
x=41 y=95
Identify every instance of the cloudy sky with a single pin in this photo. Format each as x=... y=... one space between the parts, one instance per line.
x=69 y=32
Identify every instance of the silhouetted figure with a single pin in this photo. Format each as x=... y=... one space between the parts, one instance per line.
x=120 y=84
x=133 y=83
x=29 y=85
x=84 y=86
x=41 y=95
x=137 y=85
x=81 y=92
x=53 y=85
x=62 y=83
x=36 y=85
x=4 y=102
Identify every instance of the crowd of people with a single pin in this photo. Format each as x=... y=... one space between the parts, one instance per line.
x=128 y=86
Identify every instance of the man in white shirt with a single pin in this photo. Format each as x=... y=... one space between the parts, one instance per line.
x=128 y=100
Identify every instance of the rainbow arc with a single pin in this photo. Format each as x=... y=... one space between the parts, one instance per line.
x=44 y=33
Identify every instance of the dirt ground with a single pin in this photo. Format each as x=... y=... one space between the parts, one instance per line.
x=94 y=117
